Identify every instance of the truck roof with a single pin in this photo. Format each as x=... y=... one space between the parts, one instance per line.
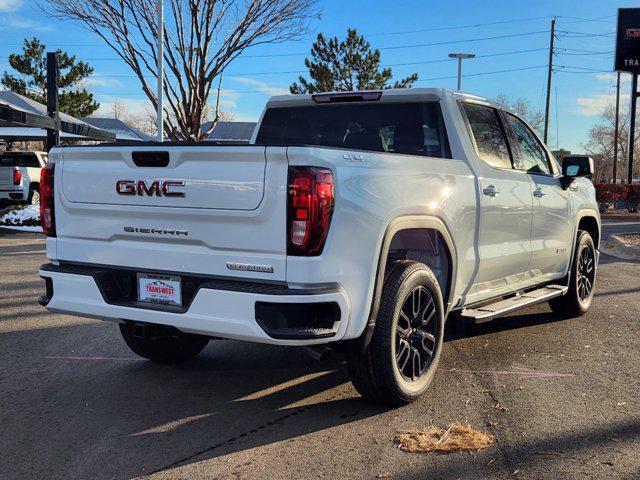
x=392 y=94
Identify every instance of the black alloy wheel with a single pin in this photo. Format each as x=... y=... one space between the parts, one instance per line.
x=416 y=334
x=586 y=272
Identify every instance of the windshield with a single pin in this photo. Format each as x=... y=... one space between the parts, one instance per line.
x=409 y=128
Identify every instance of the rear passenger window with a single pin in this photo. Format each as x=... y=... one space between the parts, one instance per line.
x=407 y=128
x=530 y=155
x=487 y=131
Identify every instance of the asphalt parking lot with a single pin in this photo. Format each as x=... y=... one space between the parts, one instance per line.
x=560 y=396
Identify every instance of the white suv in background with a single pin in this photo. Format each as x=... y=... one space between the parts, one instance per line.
x=20 y=176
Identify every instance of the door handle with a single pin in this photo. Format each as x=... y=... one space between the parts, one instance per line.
x=538 y=193
x=491 y=191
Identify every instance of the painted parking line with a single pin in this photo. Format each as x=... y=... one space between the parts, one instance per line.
x=517 y=372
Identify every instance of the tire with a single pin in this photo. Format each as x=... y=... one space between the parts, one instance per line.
x=34 y=196
x=376 y=373
x=583 y=275
x=162 y=344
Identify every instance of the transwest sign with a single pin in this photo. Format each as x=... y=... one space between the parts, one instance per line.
x=628 y=40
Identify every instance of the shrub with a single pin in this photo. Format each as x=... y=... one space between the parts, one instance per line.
x=608 y=193
x=633 y=198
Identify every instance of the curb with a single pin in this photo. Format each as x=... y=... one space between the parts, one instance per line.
x=5 y=232
x=620 y=249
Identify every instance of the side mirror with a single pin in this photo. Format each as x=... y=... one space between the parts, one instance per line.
x=574 y=166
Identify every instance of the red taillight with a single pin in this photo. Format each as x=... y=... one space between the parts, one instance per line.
x=17 y=177
x=47 y=216
x=310 y=207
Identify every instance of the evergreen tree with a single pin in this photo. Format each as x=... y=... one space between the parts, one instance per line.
x=346 y=65
x=31 y=82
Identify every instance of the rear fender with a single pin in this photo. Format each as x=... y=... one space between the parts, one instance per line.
x=397 y=225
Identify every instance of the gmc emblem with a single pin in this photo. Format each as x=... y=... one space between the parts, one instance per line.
x=633 y=32
x=159 y=188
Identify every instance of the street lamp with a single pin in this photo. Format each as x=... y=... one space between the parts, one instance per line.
x=160 y=70
x=460 y=56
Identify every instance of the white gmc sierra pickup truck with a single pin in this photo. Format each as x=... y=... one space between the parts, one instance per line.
x=354 y=221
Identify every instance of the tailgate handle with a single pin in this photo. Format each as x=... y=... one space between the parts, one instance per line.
x=150 y=159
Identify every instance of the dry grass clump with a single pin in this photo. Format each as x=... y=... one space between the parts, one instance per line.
x=456 y=438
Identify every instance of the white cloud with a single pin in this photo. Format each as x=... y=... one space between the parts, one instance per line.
x=10 y=5
x=228 y=99
x=261 y=86
x=603 y=97
x=21 y=23
x=607 y=77
x=93 y=82
x=591 y=106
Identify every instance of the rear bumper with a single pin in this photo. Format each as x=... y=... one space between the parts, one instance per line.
x=236 y=310
x=14 y=194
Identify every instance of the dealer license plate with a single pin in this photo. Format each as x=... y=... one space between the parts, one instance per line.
x=159 y=289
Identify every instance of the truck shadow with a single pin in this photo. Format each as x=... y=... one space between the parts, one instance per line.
x=91 y=395
x=457 y=329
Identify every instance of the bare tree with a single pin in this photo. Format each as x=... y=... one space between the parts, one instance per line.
x=201 y=38
x=118 y=109
x=523 y=108
x=601 y=142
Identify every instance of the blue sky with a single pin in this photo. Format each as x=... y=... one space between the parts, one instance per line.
x=402 y=29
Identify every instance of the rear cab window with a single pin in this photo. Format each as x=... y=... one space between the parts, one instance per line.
x=21 y=160
x=406 y=128
x=488 y=134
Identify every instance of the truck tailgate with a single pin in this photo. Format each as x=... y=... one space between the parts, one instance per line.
x=222 y=212
x=6 y=178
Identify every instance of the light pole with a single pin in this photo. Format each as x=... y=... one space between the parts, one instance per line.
x=160 y=112
x=460 y=56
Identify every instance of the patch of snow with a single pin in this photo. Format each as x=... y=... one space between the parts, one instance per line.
x=22 y=229
x=22 y=217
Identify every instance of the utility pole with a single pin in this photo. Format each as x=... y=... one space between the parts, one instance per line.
x=615 y=133
x=160 y=62
x=632 y=124
x=460 y=56
x=549 y=74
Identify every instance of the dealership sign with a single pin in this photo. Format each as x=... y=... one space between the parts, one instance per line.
x=628 y=40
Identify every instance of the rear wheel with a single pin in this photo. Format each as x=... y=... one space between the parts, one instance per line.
x=582 y=279
x=34 y=196
x=400 y=362
x=160 y=343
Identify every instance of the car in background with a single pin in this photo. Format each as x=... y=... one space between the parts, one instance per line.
x=20 y=176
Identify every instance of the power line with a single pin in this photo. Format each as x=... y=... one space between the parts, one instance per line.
x=570 y=34
x=451 y=42
x=585 y=69
x=116 y=94
x=434 y=28
x=444 y=60
x=457 y=27
x=393 y=47
x=484 y=73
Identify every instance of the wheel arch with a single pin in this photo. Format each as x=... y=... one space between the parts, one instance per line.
x=587 y=221
x=396 y=232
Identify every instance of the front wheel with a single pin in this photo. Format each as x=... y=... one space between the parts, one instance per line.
x=582 y=280
x=161 y=344
x=401 y=360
